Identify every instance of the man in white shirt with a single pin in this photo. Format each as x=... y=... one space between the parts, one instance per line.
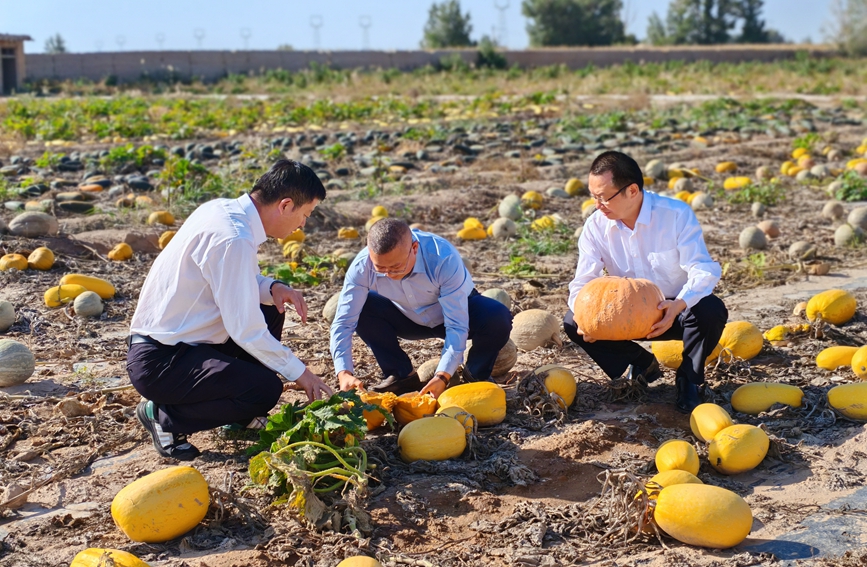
x=638 y=234
x=205 y=337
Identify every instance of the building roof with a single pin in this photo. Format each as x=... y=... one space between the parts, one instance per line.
x=13 y=37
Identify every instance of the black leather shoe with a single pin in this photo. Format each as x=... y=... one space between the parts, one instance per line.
x=398 y=385
x=172 y=445
x=687 y=394
x=648 y=375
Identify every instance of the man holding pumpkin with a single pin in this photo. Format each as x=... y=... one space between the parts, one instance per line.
x=204 y=341
x=639 y=234
x=413 y=285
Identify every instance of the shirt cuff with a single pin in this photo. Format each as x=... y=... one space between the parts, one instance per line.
x=293 y=369
x=265 y=290
x=448 y=364
x=689 y=297
x=341 y=364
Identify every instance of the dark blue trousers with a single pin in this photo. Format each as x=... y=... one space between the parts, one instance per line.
x=700 y=328
x=381 y=324
x=200 y=387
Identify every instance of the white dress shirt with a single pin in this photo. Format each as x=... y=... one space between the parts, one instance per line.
x=206 y=286
x=666 y=247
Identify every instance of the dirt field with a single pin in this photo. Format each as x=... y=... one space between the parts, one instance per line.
x=530 y=496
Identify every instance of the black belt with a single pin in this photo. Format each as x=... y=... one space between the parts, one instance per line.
x=139 y=339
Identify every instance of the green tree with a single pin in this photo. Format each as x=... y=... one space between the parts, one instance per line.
x=447 y=27
x=55 y=44
x=752 y=26
x=702 y=22
x=574 y=22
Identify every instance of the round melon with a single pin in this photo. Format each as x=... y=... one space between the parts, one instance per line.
x=412 y=406
x=432 y=439
x=677 y=454
x=859 y=363
x=7 y=316
x=738 y=449
x=706 y=420
x=558 y=380
x=534 y=328
x=97 y=557
x=17 y=363
x=359 y=561
x=88 y=304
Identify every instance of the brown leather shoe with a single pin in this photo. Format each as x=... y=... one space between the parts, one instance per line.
x=398 y=385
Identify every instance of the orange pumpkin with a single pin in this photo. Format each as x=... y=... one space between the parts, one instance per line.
x=412 y=406
x=618 y=309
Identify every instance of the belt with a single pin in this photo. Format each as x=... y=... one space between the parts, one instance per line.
x=139 y=339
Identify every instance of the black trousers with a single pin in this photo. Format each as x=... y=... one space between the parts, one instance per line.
x=199 y=387
x=381 y=323
x=700 y=328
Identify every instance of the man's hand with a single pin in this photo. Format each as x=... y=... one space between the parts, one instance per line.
x=436 y=385
x=313 y=385
x=283 y=294
x=347 y=381
x=672 y=308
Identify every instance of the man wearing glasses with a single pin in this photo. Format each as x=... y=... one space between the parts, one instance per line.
x=413 y=285
x=639 y=234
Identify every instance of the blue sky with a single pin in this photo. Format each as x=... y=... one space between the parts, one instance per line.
x=107 y=25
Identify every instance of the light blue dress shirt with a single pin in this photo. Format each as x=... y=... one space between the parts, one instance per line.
x=435 y=292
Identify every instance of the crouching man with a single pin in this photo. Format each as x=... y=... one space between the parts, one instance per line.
x=409 y=284
x=639 y=234
x=205 y=337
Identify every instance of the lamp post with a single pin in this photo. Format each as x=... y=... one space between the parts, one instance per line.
x=246 y=33
x=365 y=23
x=199 y=34
x=316 y=23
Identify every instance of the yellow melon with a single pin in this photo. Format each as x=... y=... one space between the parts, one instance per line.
x=677 y=454
x=703 y=515
x=484 y=400
x=706 y=420
x=738 y=449
x=759 y=396
x=850 y=400
x=162 y=505
x=834 y=357
x=98 y=557
x=859 y=363
x=836 y=306
x=432 y=439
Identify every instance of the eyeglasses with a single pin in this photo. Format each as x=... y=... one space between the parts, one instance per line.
x=604 y=202
x=396 y=271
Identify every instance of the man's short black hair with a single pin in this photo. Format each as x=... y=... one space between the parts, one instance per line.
x=624 y=170
x=289 y=179
x=386 y=235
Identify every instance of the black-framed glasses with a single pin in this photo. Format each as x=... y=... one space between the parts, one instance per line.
x=397 y=271
x=604 y=202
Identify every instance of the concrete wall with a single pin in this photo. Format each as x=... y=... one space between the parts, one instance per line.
x=212 y=65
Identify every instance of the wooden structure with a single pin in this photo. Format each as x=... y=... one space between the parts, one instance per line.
x=12 y=62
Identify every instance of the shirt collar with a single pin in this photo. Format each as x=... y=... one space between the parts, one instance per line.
x=646 y=206
x=643 y=214
x=418 y=267
x=250 y=211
